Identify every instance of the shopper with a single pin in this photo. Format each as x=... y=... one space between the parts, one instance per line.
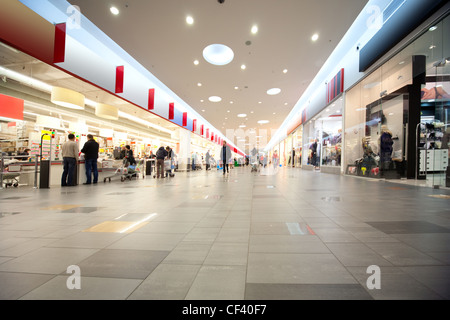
x=170 y=156
x=161 y=154
x=70 y=158
x=225 y=156
x=207 y=160
x=129 y=155
x=90 y=150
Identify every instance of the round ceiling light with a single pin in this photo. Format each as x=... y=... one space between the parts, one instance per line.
x=215 y=99
x=263 y=121
x=242 y=115
x=273 y=91
x=114 y=10
x=218 y=54
x=67 y=98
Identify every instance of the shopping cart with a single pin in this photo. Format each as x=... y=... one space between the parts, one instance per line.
x=126 y=171
x=10 y=177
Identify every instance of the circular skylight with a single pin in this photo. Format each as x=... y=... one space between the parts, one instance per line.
x=273 y=91
x=215 y=99
x=218 y=54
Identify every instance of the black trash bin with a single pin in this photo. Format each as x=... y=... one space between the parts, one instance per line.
x=447 y=178
x=44 y=174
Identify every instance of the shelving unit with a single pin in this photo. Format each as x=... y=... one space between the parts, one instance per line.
x=433 y=161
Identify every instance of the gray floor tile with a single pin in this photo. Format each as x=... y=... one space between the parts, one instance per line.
x=47 y=260
x=188 y=253
x=227 y=254
x=15 y=285
x=356 y=254
x=230 y=280
x=395 y=285
x=408 y=227
x=126 y=264
x=296 y=269
x=91 y=289
x=148 y=241
x=263 y=291
x=166 y=282
x=94 y=240
x=401 y=254
x=435 y=278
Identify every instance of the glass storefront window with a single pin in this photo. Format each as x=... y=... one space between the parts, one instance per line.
x=434 y=132
x=381 y=108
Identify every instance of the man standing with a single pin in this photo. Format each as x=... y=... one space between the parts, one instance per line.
x=161 y=154
x=70 y=158
x=90 y=150
x=207 y=160
x=225 y=156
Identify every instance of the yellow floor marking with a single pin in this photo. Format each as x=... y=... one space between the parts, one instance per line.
x=116 y=226
x=440 y=196
x=61 y=207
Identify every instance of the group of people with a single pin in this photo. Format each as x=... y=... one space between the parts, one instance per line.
x=90 y=150
x=71 y=155
x=162 y=155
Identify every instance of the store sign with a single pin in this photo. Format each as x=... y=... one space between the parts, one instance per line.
x=11 y=107
x=336 y=86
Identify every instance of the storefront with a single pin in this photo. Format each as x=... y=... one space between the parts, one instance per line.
x=397 y=118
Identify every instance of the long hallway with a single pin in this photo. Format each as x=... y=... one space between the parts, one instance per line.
x=203 y=236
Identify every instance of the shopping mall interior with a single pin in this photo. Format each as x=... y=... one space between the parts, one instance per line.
x=309 y=147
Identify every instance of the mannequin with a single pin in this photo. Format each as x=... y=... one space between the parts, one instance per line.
x=386 y=148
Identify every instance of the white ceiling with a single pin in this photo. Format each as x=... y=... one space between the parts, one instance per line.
x=156 y=34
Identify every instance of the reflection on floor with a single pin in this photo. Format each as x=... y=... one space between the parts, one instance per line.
x=287 y=235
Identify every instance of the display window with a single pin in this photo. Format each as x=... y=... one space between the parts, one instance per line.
x=397 y=118
x=323 y=137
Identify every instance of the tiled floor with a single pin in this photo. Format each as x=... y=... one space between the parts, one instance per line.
x=294 y=235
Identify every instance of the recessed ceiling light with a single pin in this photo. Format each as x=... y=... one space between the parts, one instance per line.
x=242 y=126
x=328 y=110
x=263 y=121
x=273 y=91
x=338 y=111
x=235 y=88
x=203 y=110
x=260 y=102
x=189 y=20
x=315 y=37
x=114 y=10
x=243 y=67
x=255 y=29
x=285 y=70
x=285 y=103
x=196 y=62
x=218 y=54
x=199 y=84
x=215 y=99
x=433 y=28
x=274 y=113
x=228 y=110
x=231 y=102
x=202 y=100
x=251 y=111
x=242 y=115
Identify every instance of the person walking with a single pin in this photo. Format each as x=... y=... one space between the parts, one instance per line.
x=90 y=150
x=70 y=158
x=225 y=156
x=207 y=160
x=161 y=154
